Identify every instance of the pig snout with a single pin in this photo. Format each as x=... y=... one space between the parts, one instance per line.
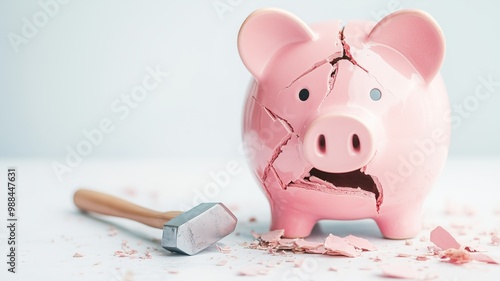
x=339 y=143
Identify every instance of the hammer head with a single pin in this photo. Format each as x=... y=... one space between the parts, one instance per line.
x=198 y=228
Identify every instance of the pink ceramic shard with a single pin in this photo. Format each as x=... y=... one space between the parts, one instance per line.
x=224 y=249
x=443 y=239
x=470 y=249
x=403 y=255
x=399 y=271
x=338 y=245
x=255 y=235
x=485 y=258
x=457 y=256
x=495 y=240
x=421 y=258
x=309 y=245
x=318 y=250
x=252 y=270
x=298 y=262
x=327 y=118
x=435 y=250
x=147 y=256
x=286 y=244
x=112 y=231
x=128 y=253
x=248 y=271
x=221 y=262
x=360 y=243
x=272 y=236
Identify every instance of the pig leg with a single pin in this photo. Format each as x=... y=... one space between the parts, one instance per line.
x=295 y=223
x=401 y=222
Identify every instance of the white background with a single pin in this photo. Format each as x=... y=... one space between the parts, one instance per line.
x=50 y=230
x=66 y=78
x=90 y=53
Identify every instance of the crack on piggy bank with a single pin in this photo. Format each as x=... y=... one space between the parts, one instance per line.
x=353 y=183
x=348 y=56
x=270 y=165
x=275 y=116
x=331 y=83
x=329 y=59
x=347 y=51
x=280 y=181
x=333 y=60
x=380 y=198
x=279 y=148
x=283 y=121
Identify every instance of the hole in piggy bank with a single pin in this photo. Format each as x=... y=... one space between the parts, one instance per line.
x=355 y=143
x=321 y=144
x=354 y=179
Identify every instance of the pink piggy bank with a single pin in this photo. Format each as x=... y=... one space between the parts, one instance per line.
x=345 y=122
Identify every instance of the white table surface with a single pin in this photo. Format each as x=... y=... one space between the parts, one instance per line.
x=465 y=200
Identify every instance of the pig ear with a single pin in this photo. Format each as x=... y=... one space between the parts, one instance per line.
x=264 y=33
x=416 y=36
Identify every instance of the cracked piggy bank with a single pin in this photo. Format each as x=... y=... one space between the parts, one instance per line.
x=347 y=121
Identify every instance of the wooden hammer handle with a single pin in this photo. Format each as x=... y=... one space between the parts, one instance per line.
x=97 y=202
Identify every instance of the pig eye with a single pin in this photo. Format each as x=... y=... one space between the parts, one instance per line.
x=375 y=94
x=304 y=94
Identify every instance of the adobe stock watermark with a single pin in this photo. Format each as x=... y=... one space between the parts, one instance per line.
x=358 y=33
x=424 y=148
x=463 y=110
x=303 y=272
x=221 y=179
x=222 y=7
x=458 y=113
x=121 y=108
x=32 y=26
x=119 y=274
x=392 y=6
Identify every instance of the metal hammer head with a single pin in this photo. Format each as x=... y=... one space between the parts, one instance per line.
x=198 y=228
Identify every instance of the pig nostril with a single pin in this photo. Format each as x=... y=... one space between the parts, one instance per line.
x=355 y=143
x=322 y=144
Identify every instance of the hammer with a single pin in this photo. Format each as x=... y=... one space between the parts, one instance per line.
x=187 y=233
